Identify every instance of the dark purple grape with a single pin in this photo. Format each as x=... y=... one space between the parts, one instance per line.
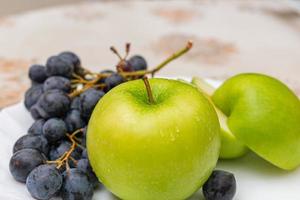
x=74 y=121
x=138 y=63
x=37 y=127
x=44 y=182
x=112 y=81
x=23 y=162
x=75 y=104
x=74 y=59
x=88 y=101
x=32 y=95
x=76 y=185
x=38 y=142
x=54 y=129
x=57 y=82
x=53 y=103
x=221 y=185
x=58 y=66
x=37 y=73
x=84 y=166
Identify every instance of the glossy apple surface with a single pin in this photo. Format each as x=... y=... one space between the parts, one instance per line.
x=264 y=114
x=230 y=146
x=143 y=151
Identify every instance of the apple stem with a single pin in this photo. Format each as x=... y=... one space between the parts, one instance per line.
x=188 y=46
x=149 y=91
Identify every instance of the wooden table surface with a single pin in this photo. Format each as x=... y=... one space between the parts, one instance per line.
x=229 y=37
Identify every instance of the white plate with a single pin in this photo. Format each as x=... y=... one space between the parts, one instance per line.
x=256 y=179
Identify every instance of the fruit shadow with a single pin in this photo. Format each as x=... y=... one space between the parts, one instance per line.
x=252 y=163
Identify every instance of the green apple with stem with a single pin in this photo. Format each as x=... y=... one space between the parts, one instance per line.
x=156 y=139
x=264 y=114
x=230 y=146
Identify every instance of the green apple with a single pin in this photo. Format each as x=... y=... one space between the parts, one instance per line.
x=144 y=148
x=264 y=114
x=230 y=146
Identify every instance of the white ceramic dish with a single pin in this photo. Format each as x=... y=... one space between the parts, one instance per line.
x=256 y=179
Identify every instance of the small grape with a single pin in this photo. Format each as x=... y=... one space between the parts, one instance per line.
x=76 y=185
x=75 y=104
x=37 y=127
x=37 y=73
x=44 y=182
x=58 y=66
x=84 y=166
x=73 y=120
x=221 y=185
x=32 y=95
x=54 y=129
x=38 y=142
x=53 y=103
x=88 y=101
x=57 y=82
x=73 y=58
x=23 y=162
x=138 y=63
x=112 y=81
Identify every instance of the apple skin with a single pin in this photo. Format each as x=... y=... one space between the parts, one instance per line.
x=164 y=151
x=231 y=147
x=264 y=114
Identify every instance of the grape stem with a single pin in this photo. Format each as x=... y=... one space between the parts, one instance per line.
x=63 y=159
x=86 y=87
x=188 y=46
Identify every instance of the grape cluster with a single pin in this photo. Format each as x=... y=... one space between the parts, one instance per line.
x=52 y=158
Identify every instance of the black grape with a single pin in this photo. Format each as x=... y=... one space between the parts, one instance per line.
x=84 y=166
x=88 y=101
x=32 y=95
x=73 y=120
x=54 y=129
x=74 y=59
x=23 y=162
x=112 y=81
x=57 y=82
x=38 y=142
x=57 y=66
x=221 y=185
x=37 y=127
x=44 y=182
x=138 y=63
x=37 y=73
x=53 y=103
x=76 y=185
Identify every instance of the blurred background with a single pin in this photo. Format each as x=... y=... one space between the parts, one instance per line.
x=230 y=37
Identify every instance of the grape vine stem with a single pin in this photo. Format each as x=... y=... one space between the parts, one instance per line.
x=63 y=159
